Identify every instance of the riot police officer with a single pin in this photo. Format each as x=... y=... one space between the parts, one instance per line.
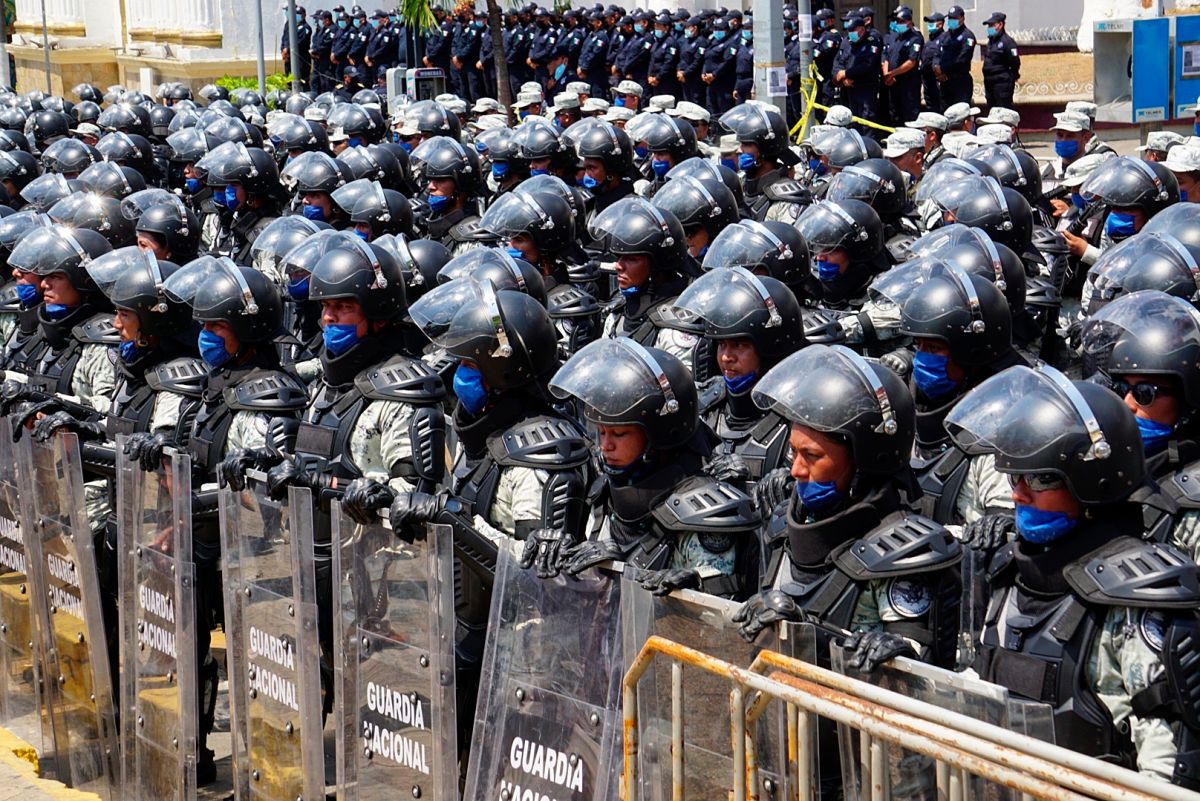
x=846 y=241
x=607 y=155
x=451 y=173
x=764 y=156
x=248 y=181
x=703 y=208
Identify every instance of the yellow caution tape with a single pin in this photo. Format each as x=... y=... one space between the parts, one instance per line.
x=808 y=90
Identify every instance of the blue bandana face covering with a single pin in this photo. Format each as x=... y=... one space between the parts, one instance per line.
x=818 y=495
x=929 y=373
x=231 y=198
x=129 y=351
x=1066 y=148
x=741 y=383
x=192 y=185
x=363 y=235
x=468 y=386
x=1040 y=527
x=1155 y=435
x=298 y=289
x=499 y=170
x=746 y=161
x=315 y=213
x=661 y=168
x=827 y=270
x=28 y=294
x=57 y=311
x=516 y=254
x=339 y=338
x=589 y=182
x=1078 y=201
x=539 y=171
x=438 y=203
x=212 y=349
x=1120 y=225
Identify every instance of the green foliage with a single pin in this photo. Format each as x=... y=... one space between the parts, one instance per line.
x=279 y=81
x=418 y=14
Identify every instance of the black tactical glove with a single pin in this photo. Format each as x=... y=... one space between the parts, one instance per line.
x=989 y=533
x=765 y=610
x=410 y=511
x=231 y=471
x=899 y=361
x=544 y=550
x=146 y=450
x=14 y=392
x=873 y=648
x=290 y=472
x=589 y=554
x=364 y=498
x=773 y=489
x=47 y=427
x=728 y=467
x=28 y=417
x=663 y=582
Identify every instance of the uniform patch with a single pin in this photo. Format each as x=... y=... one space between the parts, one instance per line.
x=262 y=422
x=909 y=598
x=715 y=542
x=1153 y=628
x=1014 y=51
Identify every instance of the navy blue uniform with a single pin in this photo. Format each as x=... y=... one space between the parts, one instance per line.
x=572 y=43
x=860 y=60
x=486 y=58
x=318 y=49
x=592 y=64
x=541 y=50
x=744 y=84
x=721 y=62
x=664 y=59
x=690 y=65
x=616 y=43
x=634 y=60
x=303 y=56
x=465 y=48
x=954 y=58
x=516 y=50
x=1001 y=69
x=339 y=52
x=929 y=55
x=381 y=48
x=825 y=51
x=360 y=37
x=791 y=58
x=904 y=96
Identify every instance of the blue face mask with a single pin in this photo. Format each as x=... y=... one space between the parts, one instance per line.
x=746 y=161
x=659 y=34
x=375 y=24
x=499 y=170
x=589 y=182
x=231 y=198
x=468 y=386
x=952 y=24
x=730 y=163
x=212 y=349
x=129 y=351
x=631 y=291
x=516 y=254
x=827 y=270
x=854 y=37
x=539 y=171
x=438 y=203
x=1066 y=148
x=718 y=35
x=817 y=495
x=619 y=102
x=1183 y=196
x=1040 y=527
x=746 y=35
x=641 y=152
x=661 y=168
x=1154 y=434
x=931 y=27
x=559 y=71
x=992 y=31
x=354 y=141
x=315 y=213
x=339 y=338
x=298 y=289
x=29 y=295
x=357 y=22
x=342 y=24
x=192 y=185
x=1120 y=225
x=523 y=114
x=893 y=27
x=1077 y=201
x=57 y=311
x=690 y=33
x=363 y=235
x=478 y=24
x=929 y=374
x=639 y=28
x=407 y=147
x=817 y=166
x=741 y=383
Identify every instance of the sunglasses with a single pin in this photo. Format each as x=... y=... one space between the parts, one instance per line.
x=1144 y=394
x=1037 y=482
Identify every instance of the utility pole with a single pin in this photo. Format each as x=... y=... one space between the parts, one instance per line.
x=770 y=63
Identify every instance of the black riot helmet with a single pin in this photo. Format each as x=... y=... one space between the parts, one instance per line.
x=220 y=291
x=1147 y=333
x=709 y=172
x=365 y=273
x=292 y=132
x=1128 y=182
x=133 y=279
x=443 y=157
x=1181 y=221
x=313 y=172
x=499 y=267
x=764 y=127
x=60 y=249
x=537 y=138
x=843 y=147
x=44 y=191
x=131 y=150
x=211 y=92
x=160 y=122
x=252 y=167
x=419 y=259
x=280 y=237
x=735 y=303
x=87 y=111
x=965 y=311
x=231 y=129
x=981 y=202
x=575 y=198
x=85 y=91
x=13 y=119
x=69 y=157
x=508 y=335
x=633 y=226
x=352 y=119
x=1145 y=261
x=394 y=170
x=697 y=205
x=297 y=103
x=175 y=226
x=358 y=162
x=875 y=181
x=772 y=248
x=385 y=210
x=126 y=118
x=605 y=142
x=620 y=382
x=45 y=127
x=104 y=216
x=833 y=390
x=189 y=145
x=15 y=226
x=13 y=141
x=1013 y=168
x=997 y=263
x=1036 y=420
x=112 y=180
x=544 y=217
x=664 y=134
x=849 y=225
x=432 y=119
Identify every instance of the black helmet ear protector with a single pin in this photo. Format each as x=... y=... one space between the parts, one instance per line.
x=488 y=292
x=887 y=424
x=773 y=318
x=1100 y=449
x=670 y=404
x=381 y=281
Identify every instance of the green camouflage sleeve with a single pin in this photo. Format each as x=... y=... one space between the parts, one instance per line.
x=884 y=316
x=380 y=439
x=94 y=378
x=710 y=554
x=1186 y=535
x=518 y=497
x=894 y=600
x=679 y=344
x=8 y=324
x=248 y=431
x=984 y=488
x=166 y=411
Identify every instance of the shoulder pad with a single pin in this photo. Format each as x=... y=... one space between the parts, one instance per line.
x=1131 y=572
x=823 y=326
x=1184 y=486
x=546 y=443
x=402 y=379
x=712 y=392
x=267 y=391
x=788 y=191
x=182 y=376
x=97 y=330
x=898 y=247
x=468 y=230
x=665 y=315
x=9 y=301
x=912 y=544
x=703 y=504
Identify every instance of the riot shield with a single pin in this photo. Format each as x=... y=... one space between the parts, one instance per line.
x=273 y=650
x=547 y=725
x=78 y=686
x=704 y=622
x=394 y=663
x=913 y=777
x=158 y=617
x=20 y=655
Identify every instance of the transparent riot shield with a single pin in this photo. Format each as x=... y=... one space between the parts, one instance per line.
x=273 y=650
x=158 y=618
x=913 y=777
x=78 y=685
x=547 y=725
x=702 y=699
x=394 y=664
x=20 y=655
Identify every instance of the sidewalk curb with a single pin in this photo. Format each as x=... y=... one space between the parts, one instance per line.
x=21 y=758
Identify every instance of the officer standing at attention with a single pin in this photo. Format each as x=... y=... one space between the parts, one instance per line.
x=857 y=70
x=591 y=57
x=318 y=51
x=901 y=60
x=825 y=50
x=664 y=58
x=935 y=25
x=692 y=48
x=719 y=70
x=381 y=47
x=1001 y=63
x=953 y=63
x=744 y=82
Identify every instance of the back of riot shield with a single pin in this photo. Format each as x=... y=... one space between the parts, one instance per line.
x=911 y=776
x=394 y=657
x=158 y=618
x=704 y=622
x=273 y=650
x=547 y=724
x=20 y=665
x=79 y=694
